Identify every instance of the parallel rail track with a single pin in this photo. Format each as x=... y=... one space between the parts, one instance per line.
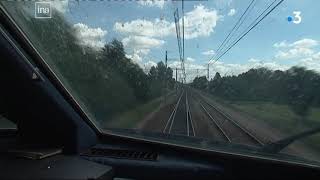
x=227 y=128
x=226 y=121
x=190 y=125
x=224 y=134
x=170 y=121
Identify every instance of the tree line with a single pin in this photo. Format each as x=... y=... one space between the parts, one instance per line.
x=297 y=87
x=106 y=82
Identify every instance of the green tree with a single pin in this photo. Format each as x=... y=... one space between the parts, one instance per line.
x=200 y=82
x=300 y=90
x=161 y=80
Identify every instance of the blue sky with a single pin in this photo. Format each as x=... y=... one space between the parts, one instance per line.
x=147 y=30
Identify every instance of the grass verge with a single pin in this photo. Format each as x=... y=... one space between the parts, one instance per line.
x=134 y=116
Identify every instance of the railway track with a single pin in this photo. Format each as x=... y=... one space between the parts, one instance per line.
x=224 y=134
x=190 y=125
x=231 y=130
x=180 y=120
x=170 y=121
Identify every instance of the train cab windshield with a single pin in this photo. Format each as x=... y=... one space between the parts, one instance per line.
x=230 y=76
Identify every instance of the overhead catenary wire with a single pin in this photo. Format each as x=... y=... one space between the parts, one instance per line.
x=182 y=8
x=237 y=28
x=258 y=17
x=232 y=30
x=177 y=25
x=179 y=39
x=255 y=24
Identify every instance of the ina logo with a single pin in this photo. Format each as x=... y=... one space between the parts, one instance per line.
x=42 y=10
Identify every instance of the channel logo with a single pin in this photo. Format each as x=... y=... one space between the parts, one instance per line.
x=42 y=10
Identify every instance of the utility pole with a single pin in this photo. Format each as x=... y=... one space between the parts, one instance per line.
x=165 y=78
x=176 y=75
x=166 y=59
x=176 y=80
x=208 y=74
x=183 y=30
x=184 y=71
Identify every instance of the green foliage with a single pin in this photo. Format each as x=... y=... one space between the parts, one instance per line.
x=297 y=87
x=301 y=84
x=161 y=80
x=200 y=82
x=105 y=81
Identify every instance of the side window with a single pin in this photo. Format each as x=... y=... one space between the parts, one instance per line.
x=6 y=124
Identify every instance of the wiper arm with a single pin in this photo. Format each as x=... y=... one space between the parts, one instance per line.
x=276 y=147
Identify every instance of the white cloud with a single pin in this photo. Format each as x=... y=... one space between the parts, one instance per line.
x=190 y=59
x=148 y=65
x=297 y=49
x=152 y=3
x=138 y=47
x=301 y=51
x=143 y=35
x=303 y=43
x=141 y=42
x=200 y=22
x=236 y=68
x=253 y=60
x=311 y=62
x=280 y=44
x=193 y=70
x=294 y=53
x=232 y=12
x=208 y=53
x=316 y=56
x=140 y=27
x=135 y=57
x=93 y=37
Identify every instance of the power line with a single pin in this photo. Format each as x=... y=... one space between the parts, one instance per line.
x=258 y=17
x=182 y=8
x=176 y=20
x=243 y=35
x=232 y=30
x=232 y=35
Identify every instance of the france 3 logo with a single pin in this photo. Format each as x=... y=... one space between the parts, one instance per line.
x=296 y=19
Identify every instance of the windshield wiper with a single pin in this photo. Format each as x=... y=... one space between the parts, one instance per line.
x=276 y=147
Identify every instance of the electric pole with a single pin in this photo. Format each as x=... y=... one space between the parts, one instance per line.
x=166 y=59
x=184 y=71
x=165 y=78
x=208 y=74
x=176 y=80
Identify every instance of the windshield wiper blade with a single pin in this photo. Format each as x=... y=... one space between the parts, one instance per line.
x=276 y=147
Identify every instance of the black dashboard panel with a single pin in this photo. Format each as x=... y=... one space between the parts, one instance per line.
x=166 y=165
x=56 y=167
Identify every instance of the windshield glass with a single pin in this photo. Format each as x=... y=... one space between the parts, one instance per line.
x=240 y=72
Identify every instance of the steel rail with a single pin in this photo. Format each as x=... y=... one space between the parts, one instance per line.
x=189 y=119
x=172 y=116
x=253 y=137
x=215 y=122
